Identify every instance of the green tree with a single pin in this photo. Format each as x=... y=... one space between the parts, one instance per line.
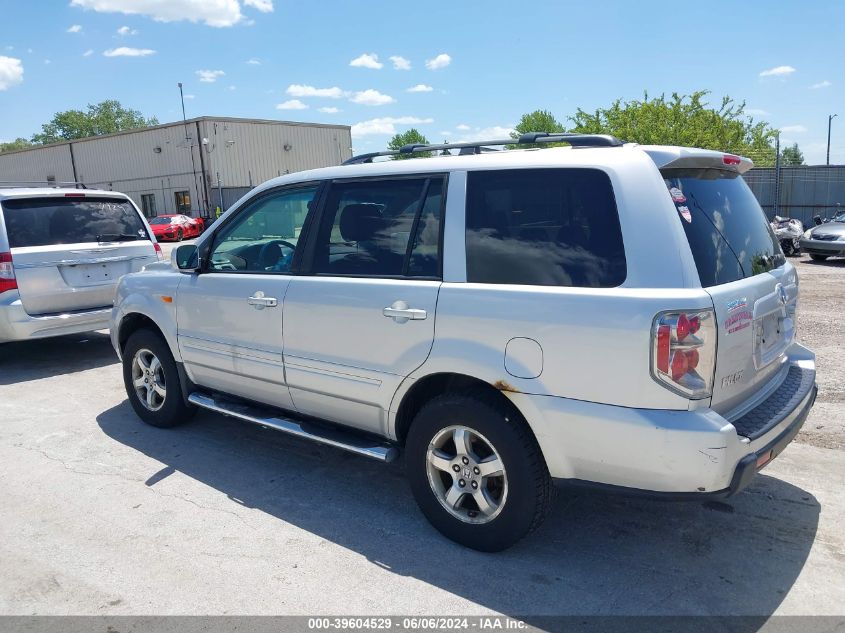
x=103 y=118
x=412 y=136
x=537 y=121
x=791 y=155
x=11 y=146
x=686 y=120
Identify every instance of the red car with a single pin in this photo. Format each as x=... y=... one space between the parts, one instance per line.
x=174 y=227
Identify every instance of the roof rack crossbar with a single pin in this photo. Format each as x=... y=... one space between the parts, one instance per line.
x=11 y=184
x=477 y=147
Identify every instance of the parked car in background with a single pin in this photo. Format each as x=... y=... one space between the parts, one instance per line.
x=200 y=223
x=174 y=227
x=62 y=253
x=825 y=240
x=608 y=314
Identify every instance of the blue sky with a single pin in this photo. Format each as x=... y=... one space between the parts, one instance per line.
x=486 y=62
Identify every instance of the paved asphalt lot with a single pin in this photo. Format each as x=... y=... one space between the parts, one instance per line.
x=104 y=515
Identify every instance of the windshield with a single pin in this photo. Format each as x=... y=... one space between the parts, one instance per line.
x=839 y=218
x=727 y=230
x=162 y=220
x=49 y=221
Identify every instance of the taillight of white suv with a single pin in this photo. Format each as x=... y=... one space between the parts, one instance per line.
x=684 y=352
x=7 y=273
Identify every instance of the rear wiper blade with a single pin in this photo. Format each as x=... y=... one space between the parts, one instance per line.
x=117 y=237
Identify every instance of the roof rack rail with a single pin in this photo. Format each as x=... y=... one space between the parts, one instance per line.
x=11 y=184
x=477 y=147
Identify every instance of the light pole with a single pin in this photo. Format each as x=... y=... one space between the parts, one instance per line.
x=190 y=147
x=829 y=121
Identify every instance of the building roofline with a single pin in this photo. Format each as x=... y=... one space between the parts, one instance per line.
x=162 y=126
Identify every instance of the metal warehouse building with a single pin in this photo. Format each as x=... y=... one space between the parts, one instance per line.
x=184 y=167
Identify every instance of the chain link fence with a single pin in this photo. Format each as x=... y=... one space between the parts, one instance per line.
x=799 y=192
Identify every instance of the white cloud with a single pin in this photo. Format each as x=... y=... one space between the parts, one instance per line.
x=298 y=90
x=463 y=127
x=386 y=125
x=11 y=72
x=821 y=84
x=329 y=110
x=420 y=88
x=254 y=62
x=293 y=104
x=371 y=98
x=756 y=112
x=76 y=28
x=265 y=6
x=778 y=71
x=232 y=88
x=793 y=129
x=367 y=60
x=189 y=97
x=125 y=51
x=209 y=76
x=218 y=13
x=125 y=30
x=400 y=63
x=483 y=133
x=441 y=61
x=88 y=53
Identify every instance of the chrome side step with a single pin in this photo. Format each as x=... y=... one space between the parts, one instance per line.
x=339 y=439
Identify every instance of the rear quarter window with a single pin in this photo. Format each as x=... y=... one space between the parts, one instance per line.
x=728 y=233
x=545 y=227
x=51 y=221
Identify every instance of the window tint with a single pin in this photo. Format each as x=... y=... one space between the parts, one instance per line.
x=264 y=236
x=727 y=230
x=47 y=221
x=367 y=227
x=547 y=227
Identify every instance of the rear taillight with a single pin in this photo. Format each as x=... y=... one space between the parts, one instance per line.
x=159 y=254
x=7 y=273
x=730 y=159
x=684 y=352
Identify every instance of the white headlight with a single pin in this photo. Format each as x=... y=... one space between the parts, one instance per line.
x=808 y=234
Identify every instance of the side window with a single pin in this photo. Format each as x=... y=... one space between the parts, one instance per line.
x=381 y=228
x=183 y=201
x=546 y=227
x=264 y=236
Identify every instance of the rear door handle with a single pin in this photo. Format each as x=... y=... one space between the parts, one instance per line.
x=259 y=301
x=401 y=312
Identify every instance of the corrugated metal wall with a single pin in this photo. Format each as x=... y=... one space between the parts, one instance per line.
x=804 y=191
x=37 y=165
x=157 y=161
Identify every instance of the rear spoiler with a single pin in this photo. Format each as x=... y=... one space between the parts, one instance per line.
x=687 y=158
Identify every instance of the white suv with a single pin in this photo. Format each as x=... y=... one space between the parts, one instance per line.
x=62 y=252
x=605 y=313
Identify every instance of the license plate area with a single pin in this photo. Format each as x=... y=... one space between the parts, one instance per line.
x=98 y=274
x=773 y=333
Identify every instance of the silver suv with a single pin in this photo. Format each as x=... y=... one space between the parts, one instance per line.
x=604 y=313
x=62 y=252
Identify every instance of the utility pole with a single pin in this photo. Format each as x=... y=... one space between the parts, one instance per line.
x=220 y=192
x=189 y=145
x=777 y=173
x=829 y=121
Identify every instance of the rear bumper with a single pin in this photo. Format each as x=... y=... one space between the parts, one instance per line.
x=674 y=454
x=820 y=247
x=17 y=325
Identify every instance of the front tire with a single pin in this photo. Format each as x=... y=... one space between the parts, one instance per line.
x=179 y=235
x=152 y=381
x=818 y=258
x=477 y=471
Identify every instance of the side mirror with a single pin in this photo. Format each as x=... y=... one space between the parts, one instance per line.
x=186 y=258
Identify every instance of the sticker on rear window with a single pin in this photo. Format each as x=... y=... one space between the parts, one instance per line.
x=685 y=214
x=677 y=195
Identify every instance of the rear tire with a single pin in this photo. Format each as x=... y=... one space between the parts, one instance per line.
x=818 y=258
x=456 y=447
x=152 y=381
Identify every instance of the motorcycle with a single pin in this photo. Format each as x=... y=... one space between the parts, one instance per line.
x=788 y=231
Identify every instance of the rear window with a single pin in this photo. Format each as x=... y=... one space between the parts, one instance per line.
x=545 y=227
x=727 y=230
x=49 y=221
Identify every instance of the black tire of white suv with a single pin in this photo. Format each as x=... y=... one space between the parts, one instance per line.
x=152 y=381
x=477 y=471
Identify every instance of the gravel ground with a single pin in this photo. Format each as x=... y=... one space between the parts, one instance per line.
x=104 y=515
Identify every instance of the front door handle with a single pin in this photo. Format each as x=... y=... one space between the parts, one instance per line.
x=259 y=301
x=402 y=313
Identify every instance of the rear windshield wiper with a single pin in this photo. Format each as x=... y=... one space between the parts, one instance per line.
x=118 y=237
